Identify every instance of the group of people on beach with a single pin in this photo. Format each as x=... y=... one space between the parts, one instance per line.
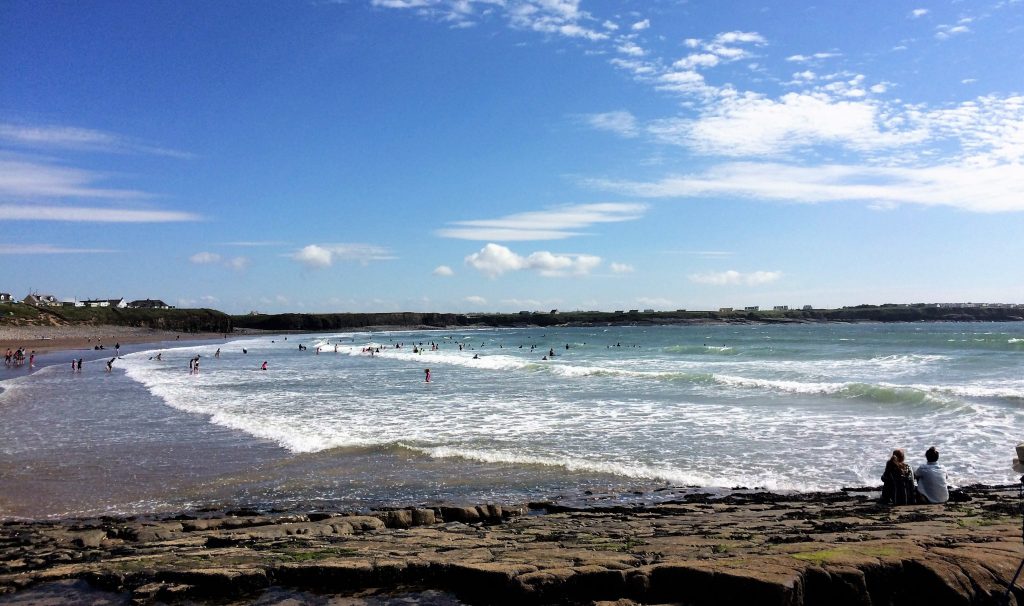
x=17 y=357
x=927 y=484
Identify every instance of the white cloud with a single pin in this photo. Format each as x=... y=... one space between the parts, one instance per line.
x=621 y=268
x=945 y=32
x=979 y=189
x=640 y=25
x=319 y=256
x=48 y=249
x=12 y=212
x=918 y=13
x=25 y=179
x=475 y=300
x=314 y=256
x=238 y=263
x=815 y=56
x=732 y=277
x=752 y=125
x=494 y=260
x=631 y=49
x=205 y=258
x=553 y=224
x=696 y=60
x=610 y=26
x=443 y=271
x=69 y=137
x=620 y=122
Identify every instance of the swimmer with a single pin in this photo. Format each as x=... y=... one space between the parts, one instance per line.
x=264 y=367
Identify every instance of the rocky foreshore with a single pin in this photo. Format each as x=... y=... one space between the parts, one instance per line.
x=756 y=548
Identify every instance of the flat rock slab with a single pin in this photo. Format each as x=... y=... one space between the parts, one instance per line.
x=743 y=548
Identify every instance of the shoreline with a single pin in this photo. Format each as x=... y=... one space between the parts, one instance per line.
x=53 y=339
x=763 y=548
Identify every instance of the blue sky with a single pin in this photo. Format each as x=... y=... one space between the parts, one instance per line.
x=499 y=155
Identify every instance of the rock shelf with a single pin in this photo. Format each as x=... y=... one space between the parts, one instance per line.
x=755 y=548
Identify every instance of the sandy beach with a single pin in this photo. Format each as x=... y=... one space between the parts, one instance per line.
x=46 y=339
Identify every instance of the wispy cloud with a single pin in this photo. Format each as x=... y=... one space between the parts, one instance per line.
x=554 y=17
x=254 y=243
x=319 y=256
x=475 y=300
x=979 y=189
x=620 y=122
x=553 y=224
x=27 y=179
x=621 y=268
x=11 y=212
x=49 y=249
x=734 y=278
x=494 y=260
x=70 y=137
x=209 y=258
x=443 y=271
x=917 y=13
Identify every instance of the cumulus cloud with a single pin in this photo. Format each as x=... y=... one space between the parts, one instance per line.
x=621 y=268
x=640 y=25
x=732 y=278
x=918 y=13
x=552 y=224
x=319 y=256
x=443 y=271
x=494 y=260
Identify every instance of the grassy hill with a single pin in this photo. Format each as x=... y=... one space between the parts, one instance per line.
x=180 y=320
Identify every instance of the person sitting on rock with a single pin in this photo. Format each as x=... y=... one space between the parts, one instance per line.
x=897 y=481
x=931 y=479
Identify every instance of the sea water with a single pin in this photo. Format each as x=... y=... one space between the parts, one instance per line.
x=780 y=407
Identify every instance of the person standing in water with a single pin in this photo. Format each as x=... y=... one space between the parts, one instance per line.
x=427 y=371
x=264 y=367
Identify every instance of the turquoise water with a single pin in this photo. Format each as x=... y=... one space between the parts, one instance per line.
x=794 y=407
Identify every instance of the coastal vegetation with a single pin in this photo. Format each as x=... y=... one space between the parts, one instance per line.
x=210 y=320
x=178 y=320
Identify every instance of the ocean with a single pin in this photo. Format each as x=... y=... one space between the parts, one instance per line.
x=617 y=414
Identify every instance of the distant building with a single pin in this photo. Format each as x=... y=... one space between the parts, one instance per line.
x=72 y=303
x=807 y=308
x=648 y=311
x=724 y=310
x=619 y=311
x=5 y=297
x=554 y=311
x=634 y=311
x=524 y=313
x=149 y=304
x=115 y=303
x=781 y=308
x=752 y=308
x=42 y=300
